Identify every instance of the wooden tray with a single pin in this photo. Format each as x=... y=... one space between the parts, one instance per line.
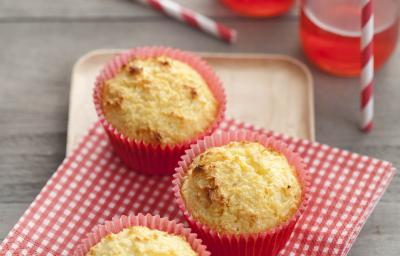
x=272 y=91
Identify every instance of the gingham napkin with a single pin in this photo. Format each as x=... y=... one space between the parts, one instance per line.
x=92 y=185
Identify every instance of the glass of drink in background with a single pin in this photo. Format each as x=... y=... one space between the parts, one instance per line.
x=330 y=32
x=259 y=8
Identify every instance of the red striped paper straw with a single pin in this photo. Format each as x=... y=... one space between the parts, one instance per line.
x=193 y=19
x=367 y=63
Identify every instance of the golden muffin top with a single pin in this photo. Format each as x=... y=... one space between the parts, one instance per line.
x=142 y=241
x=159 y=100
x=241 y=187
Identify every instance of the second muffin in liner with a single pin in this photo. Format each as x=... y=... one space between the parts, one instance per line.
x=269 y=242
x=150 y=158
x=149 y=221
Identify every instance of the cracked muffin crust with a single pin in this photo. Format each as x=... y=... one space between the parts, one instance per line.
x=158 y=100
x=241 y=187
x=138 y=240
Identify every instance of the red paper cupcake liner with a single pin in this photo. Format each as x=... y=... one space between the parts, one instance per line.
x=148 y=158
x=263 y=243
x=152 y=222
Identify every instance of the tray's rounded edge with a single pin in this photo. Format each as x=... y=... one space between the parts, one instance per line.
x=309 y=76
x=302 y=66
x=310 y=80
x=82 y=59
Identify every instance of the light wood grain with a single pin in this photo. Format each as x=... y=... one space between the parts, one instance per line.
x=278 y=85
x=77 y=9
x=102 y=9
x=35 y=68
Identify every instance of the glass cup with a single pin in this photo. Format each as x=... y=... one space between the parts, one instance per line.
x=330 y=33
x=259 y=8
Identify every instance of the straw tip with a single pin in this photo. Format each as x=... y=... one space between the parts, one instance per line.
x=234 y=37
x=367 y=128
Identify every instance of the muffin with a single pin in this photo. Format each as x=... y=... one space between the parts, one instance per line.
x=242 y=192
x=145 y=235
x=241 y=187
x=154 y=102
x=139 y=241
x=159 y=100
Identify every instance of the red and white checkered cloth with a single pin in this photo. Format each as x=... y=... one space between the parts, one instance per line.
x=92 y=185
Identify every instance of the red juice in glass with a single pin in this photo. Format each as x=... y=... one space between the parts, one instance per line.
x=330 y=32
x=259 y=8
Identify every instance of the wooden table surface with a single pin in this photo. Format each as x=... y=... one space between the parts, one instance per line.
x=40 y=41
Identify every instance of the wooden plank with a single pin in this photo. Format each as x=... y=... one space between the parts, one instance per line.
x=12 y=10
x=9 y=215
x=345 y=111
x=35 y=68
x=98 y=9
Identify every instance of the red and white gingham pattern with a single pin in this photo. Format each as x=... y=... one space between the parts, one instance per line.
x=367 y=64
x=194 y=19
x=92 y=186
